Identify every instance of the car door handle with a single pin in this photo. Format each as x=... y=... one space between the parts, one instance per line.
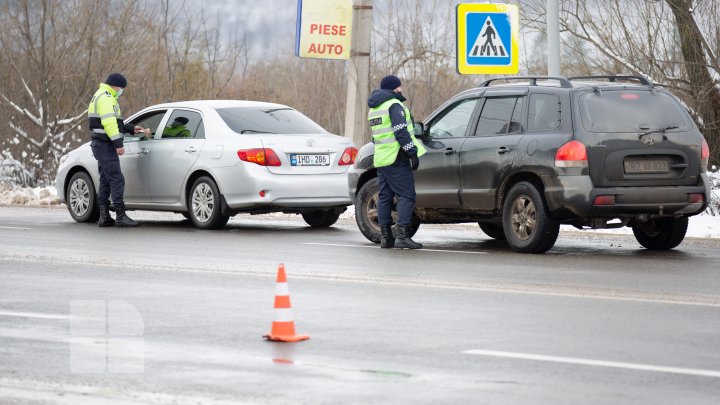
x=502 y=150
x=449 y=151
x=144 y=151
x=191 y=150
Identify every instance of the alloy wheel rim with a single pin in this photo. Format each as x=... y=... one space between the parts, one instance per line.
x=523 y=218
x=372 y=211
x=79 y=197
x=203 y=203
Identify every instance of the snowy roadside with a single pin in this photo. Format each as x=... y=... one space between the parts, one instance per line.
x=701 y=226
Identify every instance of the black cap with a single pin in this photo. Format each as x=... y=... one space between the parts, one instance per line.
x=389 y=82
x=181 y=120
x=117 y=80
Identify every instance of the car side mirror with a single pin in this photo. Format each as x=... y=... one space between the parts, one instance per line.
x=419 y=130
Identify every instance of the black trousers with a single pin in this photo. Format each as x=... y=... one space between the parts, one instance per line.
x=112 y=181
x=396 y=180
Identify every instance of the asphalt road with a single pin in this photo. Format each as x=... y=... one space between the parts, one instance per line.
x=165 y=313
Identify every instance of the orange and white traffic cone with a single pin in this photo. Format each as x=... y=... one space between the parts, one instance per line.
x=283 y=326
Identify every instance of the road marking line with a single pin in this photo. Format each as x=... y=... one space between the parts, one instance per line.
x=15 y=227
x=260 y=270
x=35 y=315
x=376 y=247
x=597 y=363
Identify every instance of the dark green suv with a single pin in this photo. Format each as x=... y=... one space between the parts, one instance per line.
x=521 y=156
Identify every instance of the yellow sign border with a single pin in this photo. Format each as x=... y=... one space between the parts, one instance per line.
x=462 y=65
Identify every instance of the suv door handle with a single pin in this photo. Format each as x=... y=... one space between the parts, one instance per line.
x=190 y=150
x=449 y=151
x=502 y=150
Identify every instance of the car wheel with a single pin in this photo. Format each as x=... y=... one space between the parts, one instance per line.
x=81 y=198
x=366 y=213
x=204 y=204
x=527 y=226
x=494 y=231
x=661 y=233
x=321 y=219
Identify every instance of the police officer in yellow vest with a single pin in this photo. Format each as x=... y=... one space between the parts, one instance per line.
x=108 y=130
x=397 y=154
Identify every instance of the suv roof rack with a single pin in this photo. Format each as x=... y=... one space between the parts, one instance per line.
x=564 y=82
x=613 y=78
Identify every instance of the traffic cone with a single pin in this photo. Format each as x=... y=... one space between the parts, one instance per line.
x=283 y=326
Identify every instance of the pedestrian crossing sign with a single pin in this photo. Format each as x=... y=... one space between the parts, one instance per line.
x=487 y=38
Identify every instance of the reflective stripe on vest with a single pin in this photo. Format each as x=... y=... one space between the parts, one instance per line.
x=383 y=133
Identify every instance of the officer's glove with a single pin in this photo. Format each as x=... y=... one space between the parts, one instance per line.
x=414 y=162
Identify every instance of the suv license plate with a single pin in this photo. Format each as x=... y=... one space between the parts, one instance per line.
x=309 y=160
x=646 y=166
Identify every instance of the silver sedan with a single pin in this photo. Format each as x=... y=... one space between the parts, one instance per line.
x=210 y=160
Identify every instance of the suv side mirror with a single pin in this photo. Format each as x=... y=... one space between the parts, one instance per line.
x=418 y=129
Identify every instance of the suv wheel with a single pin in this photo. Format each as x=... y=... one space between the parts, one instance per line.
x=494 y=231
x=661 y=233
x=366 y=213
x=527 y=226
x=81 y=198
x=204 y=204
x=321 y=219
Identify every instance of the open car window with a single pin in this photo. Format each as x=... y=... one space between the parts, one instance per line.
x=149 y=120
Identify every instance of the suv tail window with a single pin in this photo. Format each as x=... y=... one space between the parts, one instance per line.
x=630 y=111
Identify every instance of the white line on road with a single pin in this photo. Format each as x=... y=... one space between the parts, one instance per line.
x=597 y=363
x=15 y=227
x=35 y=315
x=376 y=247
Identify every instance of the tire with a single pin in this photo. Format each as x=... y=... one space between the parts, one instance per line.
x=321 y=219
x=81 y=198
x=204 y=204
x=366 y=213
x=528 y=228
x=661 y=233
x=494 y=231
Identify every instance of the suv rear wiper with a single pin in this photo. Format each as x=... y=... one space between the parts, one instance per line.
x=660 y=130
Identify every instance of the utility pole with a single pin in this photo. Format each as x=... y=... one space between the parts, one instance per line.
x=553 y=37
x=358 y=74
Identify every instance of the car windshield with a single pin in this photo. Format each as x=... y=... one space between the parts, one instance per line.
x=631 y=111
x=264 y=120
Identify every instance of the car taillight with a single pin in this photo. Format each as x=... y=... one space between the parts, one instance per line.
x=260 y=156
x=348 y=156
x=705 y=155
x=604 y=200
x=572 y=154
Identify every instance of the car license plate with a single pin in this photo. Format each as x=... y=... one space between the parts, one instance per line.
x=309 y=160
x=646 y=166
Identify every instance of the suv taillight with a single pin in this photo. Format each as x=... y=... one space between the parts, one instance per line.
x=260 y=156
x=348 y=156
x=572 y=154
x=704 y=155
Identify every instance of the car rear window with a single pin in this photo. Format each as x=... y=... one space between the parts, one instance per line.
x=263 y=120
x=630 y=111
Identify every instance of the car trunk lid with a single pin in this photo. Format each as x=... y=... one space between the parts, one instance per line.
x=307 y=153
x=638 y=138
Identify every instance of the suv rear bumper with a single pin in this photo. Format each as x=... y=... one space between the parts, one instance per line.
x=571 y=197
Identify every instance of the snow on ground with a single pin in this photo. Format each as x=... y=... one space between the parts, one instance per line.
x=701 y=226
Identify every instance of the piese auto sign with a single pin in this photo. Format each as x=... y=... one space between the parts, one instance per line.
x=324 y=29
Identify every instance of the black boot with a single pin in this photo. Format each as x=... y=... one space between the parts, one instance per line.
x=403 y=240
x=105 y=218
x=387 y=240
x=122 y=220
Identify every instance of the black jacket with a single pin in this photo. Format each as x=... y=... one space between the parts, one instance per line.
x=397 y=118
